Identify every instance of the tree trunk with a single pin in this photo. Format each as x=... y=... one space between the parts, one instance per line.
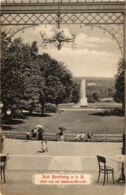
x=123 y=106
x=30 y=111
x=42 y=109
x=57 y=106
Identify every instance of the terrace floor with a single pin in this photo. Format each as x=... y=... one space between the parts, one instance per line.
x=26 y=159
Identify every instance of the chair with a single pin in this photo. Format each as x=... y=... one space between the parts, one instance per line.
x=2 y=167
x=104 y=169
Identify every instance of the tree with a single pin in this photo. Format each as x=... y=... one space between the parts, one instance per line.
x=120 y=82
x=32 y=80
x=20 y=75
x=5 y=42
x=93 y=94
x=75 y=96
x=29 y=79
x=56 y=90
x=11 y=82
x=57 y=80
x=34 y=50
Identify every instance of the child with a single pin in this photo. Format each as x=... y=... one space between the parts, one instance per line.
x=44 y=146
x=27 y=136
x=90 y=135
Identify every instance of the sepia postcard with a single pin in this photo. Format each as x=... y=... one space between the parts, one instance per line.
x=62 y=97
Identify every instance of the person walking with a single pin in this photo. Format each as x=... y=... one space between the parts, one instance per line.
x=44 y=146
x=40 y=131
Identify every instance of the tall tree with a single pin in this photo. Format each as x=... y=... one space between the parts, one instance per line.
x=20 y=75
x=56 y=90
x=31 y=78
x=120 y=82
x=11 y=82
x=75 y=96
x=58 y=80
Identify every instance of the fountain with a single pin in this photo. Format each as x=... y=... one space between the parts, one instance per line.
x=83 y=99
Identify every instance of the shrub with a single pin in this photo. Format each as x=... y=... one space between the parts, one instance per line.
x=17 y=114
x=50 y=108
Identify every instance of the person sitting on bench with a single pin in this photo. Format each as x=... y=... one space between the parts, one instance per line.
x=61 y=133
x=90 y=135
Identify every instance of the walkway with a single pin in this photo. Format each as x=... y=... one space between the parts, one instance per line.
x=25 y=160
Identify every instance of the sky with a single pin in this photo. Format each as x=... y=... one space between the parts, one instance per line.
x=95 y=53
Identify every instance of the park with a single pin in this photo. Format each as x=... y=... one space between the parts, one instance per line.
x=62 y=98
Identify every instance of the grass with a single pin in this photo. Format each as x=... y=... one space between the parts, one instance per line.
x=74 y=122
x=107 y=105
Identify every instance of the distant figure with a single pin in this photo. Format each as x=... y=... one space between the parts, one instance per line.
x=37 y=132
x=82 y=137
x=27 y=136
x=44 y=146
x=2 y=139
x=77 y=138
x=61 y=133
x=90 y=135
x=33 y=133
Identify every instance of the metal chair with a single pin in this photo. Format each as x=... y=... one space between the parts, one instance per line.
x=103 y=168
x=3 y=160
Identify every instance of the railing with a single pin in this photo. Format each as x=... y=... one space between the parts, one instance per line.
x=60 y=1
x=67 y=137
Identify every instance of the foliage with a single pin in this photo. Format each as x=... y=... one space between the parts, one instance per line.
x=95 y=93
x=119 y=85
x=57 y=80
x=97 y=88
x=75 y=96
x=56 y=90
x=17 y=114
x=20 y=75
x=50 y=108
x=29 y=79
x=11 y=81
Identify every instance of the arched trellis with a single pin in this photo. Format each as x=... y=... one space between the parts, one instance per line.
x=116 y=33
x=12 y=31
x=106 y=15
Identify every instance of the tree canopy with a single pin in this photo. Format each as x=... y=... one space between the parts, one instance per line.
x=20 y=75
x=120 y=83
x=29 y=78
x=57 y=79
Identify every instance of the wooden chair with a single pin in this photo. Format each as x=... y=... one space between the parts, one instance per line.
x=3 y=160
x=104 y=169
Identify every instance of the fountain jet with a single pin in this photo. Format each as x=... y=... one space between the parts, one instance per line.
x=83 y=98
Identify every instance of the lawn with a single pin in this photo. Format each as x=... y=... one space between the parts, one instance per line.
x=74 y=122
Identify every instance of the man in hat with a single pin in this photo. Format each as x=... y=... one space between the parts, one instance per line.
x=44 y=146
x=61 y=133
x=40 y=130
